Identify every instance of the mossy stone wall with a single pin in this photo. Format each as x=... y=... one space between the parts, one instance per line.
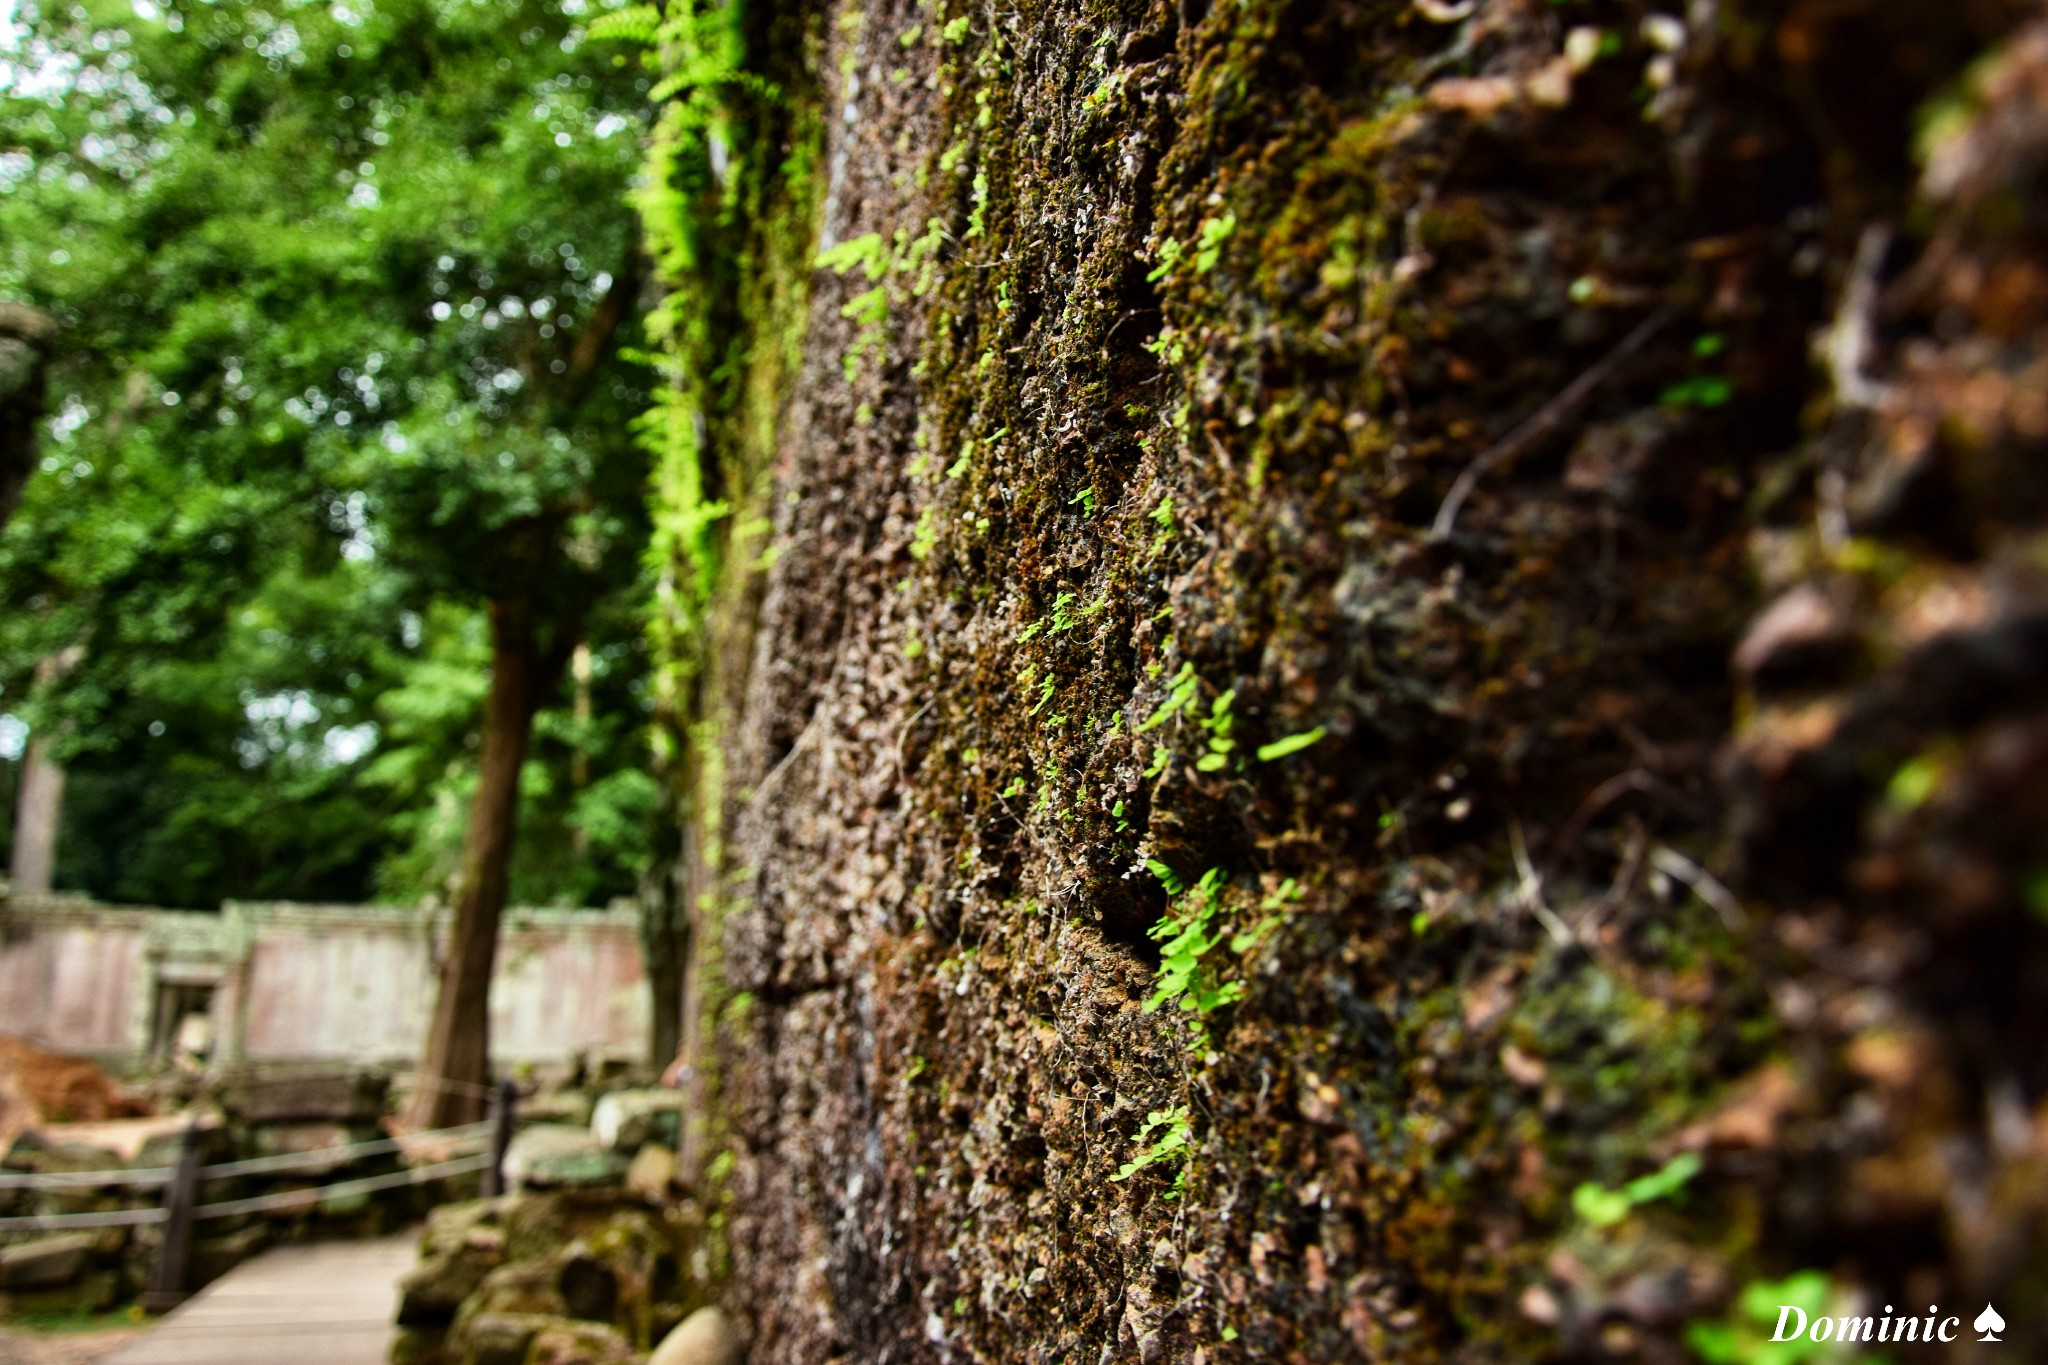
x=1543 y=502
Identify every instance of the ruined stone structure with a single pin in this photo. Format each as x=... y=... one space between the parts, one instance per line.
x=295 y=983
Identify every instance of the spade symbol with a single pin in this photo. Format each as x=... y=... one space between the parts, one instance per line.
x=1989 y=1323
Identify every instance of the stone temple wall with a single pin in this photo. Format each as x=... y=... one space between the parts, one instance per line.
x=282 y=982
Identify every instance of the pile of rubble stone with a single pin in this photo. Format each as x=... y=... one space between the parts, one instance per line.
x=596 y=1256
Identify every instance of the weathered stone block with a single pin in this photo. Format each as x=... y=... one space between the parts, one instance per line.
x=433 y=1290
x=93 y=1292
x=571 y=1107
x=160 y=1150
x=652 y=1175
x=529 y=1288
x=630 y=1119
x=32 y=1153
x=706 y=1337
x=422 y=1346
x=501 y=1338
x=551 y=1156
x=588 y=1286
x=57 y=1259
x=579 y=1343
x=354 y=1098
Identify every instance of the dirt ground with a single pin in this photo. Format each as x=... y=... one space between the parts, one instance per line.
x=19 y=1347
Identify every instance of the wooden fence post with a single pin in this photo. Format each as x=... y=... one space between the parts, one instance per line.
x=167 y=1282
x=504 y=1117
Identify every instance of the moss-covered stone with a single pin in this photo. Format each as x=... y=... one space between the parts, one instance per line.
x=1344 y=448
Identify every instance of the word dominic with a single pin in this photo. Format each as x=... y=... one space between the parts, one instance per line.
x=1887 y=1328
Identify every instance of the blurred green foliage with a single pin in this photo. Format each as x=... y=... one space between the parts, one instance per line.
x=344 y=290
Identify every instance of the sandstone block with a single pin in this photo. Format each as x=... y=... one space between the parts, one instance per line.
x=706 y=1337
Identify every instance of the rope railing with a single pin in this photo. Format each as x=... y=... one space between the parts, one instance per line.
x=325 y=1156
x=83 y=1180
x=422 y=1081
x=290 y=1161
x=64 y=1222
x=341 y=1189
x=181 y=1183
x=261 y=1165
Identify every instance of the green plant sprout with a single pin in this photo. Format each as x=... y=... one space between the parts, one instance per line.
x=1187 y=934
x=1744 y=1336
x=1700 y=391
x=1086 y=498
x=1218 y=725
x=1160 y=758
x=1275 y=906
x=1184 y=685
x=1175 y=1143
x=1215 y=232
x=1292 y=744
x=863 y=253
x=1913 y=783
x=925 y=536
x=977 y=217
x=1603 y=1207
x=1016 y=788
x=870 y=307
x=1169 y=258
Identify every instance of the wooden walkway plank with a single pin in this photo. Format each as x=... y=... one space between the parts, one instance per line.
x=331 y=1303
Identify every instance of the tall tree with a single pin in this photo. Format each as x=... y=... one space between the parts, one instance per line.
x=25 y=338
x=344 y=275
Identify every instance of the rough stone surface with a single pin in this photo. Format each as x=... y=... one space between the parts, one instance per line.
x=502 y=1338
x=493 y=1272
x=627 y=1120
x=569 y=1107
x=653 y=1173
x=1430 y=396
x=263 y=1099
x=46 y=1261
x=579 y=1343
x=549 y=1156
x=461 y=1245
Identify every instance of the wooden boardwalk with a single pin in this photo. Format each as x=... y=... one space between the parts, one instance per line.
x=331 y=1303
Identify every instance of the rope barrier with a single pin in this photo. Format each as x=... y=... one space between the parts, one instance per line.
x=112 y=1218
x=303 y=1198
x=421 y=1081
x=292 y=1161
x=84 y=1180
x=262 y=1203
x=287 y=1161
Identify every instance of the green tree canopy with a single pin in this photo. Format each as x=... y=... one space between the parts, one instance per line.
x=343 y=289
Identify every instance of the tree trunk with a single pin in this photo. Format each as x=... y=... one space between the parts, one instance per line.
x=36 y=813
x=40 y=804
x=26 y=335
x=455 y=1071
